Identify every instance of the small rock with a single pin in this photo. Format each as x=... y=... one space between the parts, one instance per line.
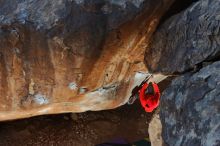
x=65 y=117
x=74 y=116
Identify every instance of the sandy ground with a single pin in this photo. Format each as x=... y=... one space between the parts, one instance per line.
x=85 y=129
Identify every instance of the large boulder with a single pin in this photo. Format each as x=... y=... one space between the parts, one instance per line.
x=190 y=109
x=186 y=39
x=72 y=55
x=188 y=45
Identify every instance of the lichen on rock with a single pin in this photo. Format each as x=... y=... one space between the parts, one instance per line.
x=186 y=39
x=190 y=108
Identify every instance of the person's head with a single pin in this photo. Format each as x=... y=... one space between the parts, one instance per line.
x=150 y=89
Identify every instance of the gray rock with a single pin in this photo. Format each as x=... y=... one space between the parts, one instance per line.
x=48 y=13
x=186 y=39
x=190 y=109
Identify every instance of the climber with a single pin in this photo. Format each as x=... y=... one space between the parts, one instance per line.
x=149 y=96
x=148 y=93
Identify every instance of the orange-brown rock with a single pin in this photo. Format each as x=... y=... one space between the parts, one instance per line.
x=72 y=55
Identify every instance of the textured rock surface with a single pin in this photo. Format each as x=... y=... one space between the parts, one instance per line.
x=190 y=109
x=186 y=40
x=155 y=131
x=72 y=55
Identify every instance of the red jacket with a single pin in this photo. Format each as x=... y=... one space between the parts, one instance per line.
x=149 y=101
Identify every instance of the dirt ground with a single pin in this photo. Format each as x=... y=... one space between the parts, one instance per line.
x=84 y=129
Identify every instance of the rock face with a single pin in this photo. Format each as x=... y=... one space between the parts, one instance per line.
x=155 y=131
x=187 y=39
x=190 y=109
x=72 y=55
